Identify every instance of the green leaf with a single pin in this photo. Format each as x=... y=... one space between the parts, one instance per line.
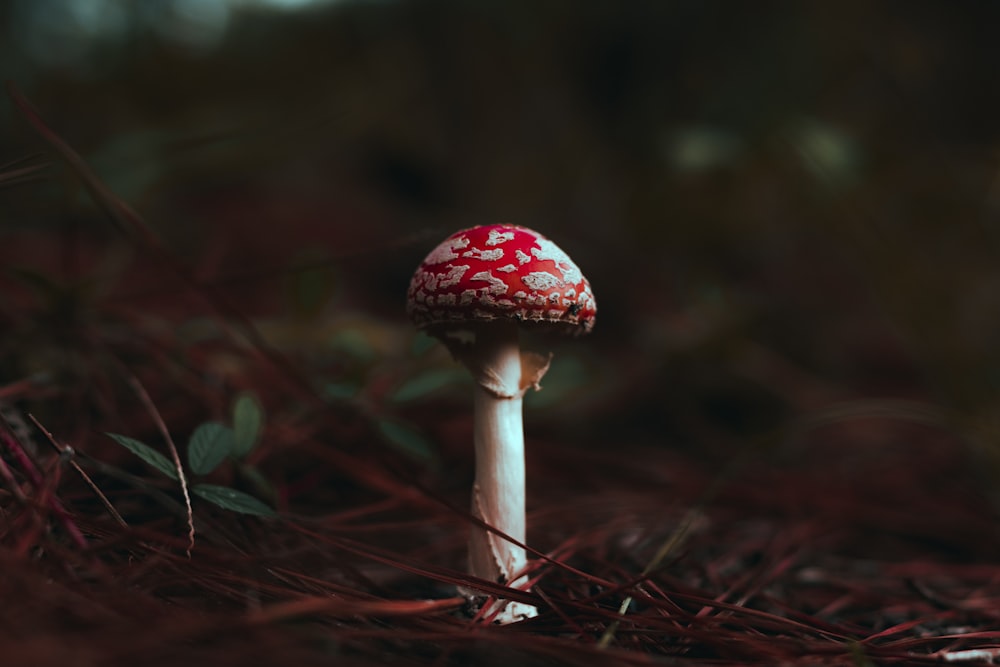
x=231 y=499
x=429 y=382
x=260 y=484
x=406 y=439
x=340 y=391
x=311 y=285
x=566 y=376
x=248 y=422
x=831 y=155
x=354 y=343
x=147 y=454
x=422 y=342
x=209 y=446
x=702 y=148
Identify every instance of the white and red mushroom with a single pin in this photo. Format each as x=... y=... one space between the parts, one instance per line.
x=474 y=292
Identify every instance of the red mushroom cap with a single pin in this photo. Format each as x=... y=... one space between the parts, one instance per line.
x=500 y=272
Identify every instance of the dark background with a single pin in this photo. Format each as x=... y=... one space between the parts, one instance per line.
x=788 y=213
x=814 y=184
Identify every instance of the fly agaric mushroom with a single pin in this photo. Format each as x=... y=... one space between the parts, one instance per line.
x=474 y=292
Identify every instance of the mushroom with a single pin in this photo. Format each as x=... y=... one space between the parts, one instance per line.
x=474 y=292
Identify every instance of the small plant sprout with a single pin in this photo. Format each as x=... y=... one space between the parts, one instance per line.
x=209 y=446
x=474 y=292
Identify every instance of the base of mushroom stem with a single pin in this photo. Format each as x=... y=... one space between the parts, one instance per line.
x=501 y=612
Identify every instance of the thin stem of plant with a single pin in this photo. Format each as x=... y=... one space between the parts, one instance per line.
x=66 y=450
x=673 y=542
x=162 y=426
x=681 y=532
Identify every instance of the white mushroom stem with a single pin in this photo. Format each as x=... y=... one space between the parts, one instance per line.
x=498 y=434
x=502 y=373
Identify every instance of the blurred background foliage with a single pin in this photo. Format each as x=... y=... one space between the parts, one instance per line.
x=780 y=206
